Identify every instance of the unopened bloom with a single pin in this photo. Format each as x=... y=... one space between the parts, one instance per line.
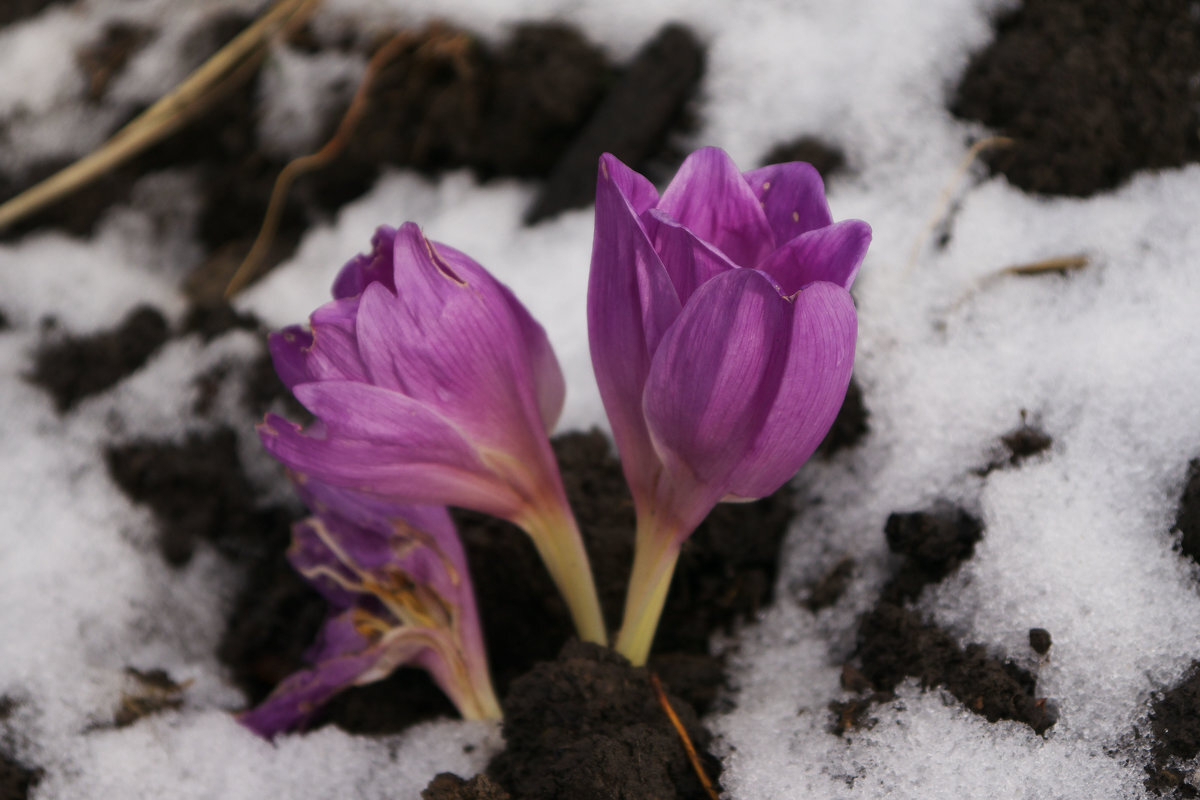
x=396 y=581
x=722 y=335
x=432 y=384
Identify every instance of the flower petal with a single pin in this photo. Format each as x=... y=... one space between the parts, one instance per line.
x=289 y=354
x=688 y=260
x=831 y=254
x=333 y=353
x=423 y=462
x=709 y=196
x=343 y=658
x=792 y=197
x=367 y=268
x=713 y=379
x=820 y=356
x=631 y=304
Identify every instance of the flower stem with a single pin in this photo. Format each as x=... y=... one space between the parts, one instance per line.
x=654 y=558
x=556 y=537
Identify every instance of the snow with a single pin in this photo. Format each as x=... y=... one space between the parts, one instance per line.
x=1106 y=360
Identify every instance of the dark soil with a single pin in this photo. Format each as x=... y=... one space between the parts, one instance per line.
x=16 y=10
x=1091 y=91
x=198 y=491
x=1019 y=444
x=1187 y=517
x=588 y=725
x=634 y=122
x=894 y=642
x=103 y=60
x=828 y=158
x=16 y=779
x=850 y=425
x=1175 y=724
x=73 y=368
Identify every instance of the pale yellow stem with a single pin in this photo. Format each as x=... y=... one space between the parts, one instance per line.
x=655 y=555
x=558 y=542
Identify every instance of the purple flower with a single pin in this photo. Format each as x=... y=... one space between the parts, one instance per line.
x=396 y=581
x=722 y=336
x=432 y=384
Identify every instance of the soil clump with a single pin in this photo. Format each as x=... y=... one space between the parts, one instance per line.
x=1090 y=91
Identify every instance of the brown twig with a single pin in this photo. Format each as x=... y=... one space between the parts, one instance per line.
x=943 y=204
x=299 y=166
x=228 y=66
x=683 y=736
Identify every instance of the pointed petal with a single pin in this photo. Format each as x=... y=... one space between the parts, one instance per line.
x=333 y=353
x=820 y=356
x=831 y=254
x=710 y=197
x=343 y=659
x=792 y=197
x=288 y=349
x=638 y=192
x=689 y=261
x=367 y=268
x=631 y=304
x=434 y=465
x=713 y=379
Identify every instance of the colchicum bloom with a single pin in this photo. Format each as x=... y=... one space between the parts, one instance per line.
x=399 y=593
x=432 y=384
x=722 y=336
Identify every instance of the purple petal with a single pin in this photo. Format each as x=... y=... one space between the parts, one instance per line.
x=333 y=353
x=288 y=349
x=434 y=466
x=689 y=261
x=343 y=656
x=820 y=356
x=365 y=269
x=713 y=379
x=792 y=197
x=638 y=192
x=631 y=304
x=710 y=197
x=831 y=254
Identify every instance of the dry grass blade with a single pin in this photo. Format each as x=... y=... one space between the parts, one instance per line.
x=683 y=736
x=230 y=65
x=1059 y=264
x=943 y=204
x=249 y=267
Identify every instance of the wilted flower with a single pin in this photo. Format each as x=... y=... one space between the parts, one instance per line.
x=722 y=336
x=432 y=384
x=396 y=581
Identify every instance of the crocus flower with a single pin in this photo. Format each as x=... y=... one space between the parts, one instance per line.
x=432 y=384
x=722 y=335
x=396 y=581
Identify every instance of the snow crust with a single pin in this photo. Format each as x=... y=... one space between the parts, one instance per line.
x=1106 y=360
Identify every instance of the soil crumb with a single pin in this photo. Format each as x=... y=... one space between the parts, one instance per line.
x=16 y=10
x=826 y=157
x=1039 y=640
x=198 y=491
x=1175 y=724
x=103 y=60
x=589 y=725
x=634 y=122
x=894 y=643
x=1187 y=518
x=448 y=786
x=77 y=367
x=1091 y=91
x=932 y=544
